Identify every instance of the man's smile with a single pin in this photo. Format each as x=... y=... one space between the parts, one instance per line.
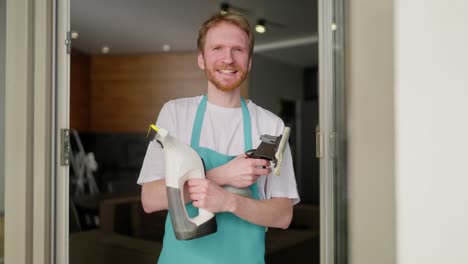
x=227 y=71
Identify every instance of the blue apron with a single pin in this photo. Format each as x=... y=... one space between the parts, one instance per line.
x=236 y=241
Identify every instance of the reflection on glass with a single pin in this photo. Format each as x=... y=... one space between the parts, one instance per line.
x=340 y=168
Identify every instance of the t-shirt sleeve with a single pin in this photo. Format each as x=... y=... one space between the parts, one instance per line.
x=153 y=167
x=284 y=184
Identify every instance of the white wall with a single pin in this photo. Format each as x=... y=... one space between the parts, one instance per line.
x=408 y=85
x=2 y=104
x=431 y=103
x=369 y=71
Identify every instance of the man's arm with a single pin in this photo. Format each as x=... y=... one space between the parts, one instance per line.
x=154 y=196
x=275 y=212
x=240 y=172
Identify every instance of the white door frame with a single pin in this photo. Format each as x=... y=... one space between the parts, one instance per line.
x=327 y=219
x=60 y=249
x=28 y=130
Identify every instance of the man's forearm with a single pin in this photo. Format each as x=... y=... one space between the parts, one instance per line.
x=215 y=175
x=154 y=196
x=275 y=212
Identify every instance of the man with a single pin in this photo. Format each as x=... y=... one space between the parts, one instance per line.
x=221 y=126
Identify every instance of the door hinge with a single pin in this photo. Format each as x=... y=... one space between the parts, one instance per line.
x=68 y=42
x=65 y=146
x=318 y=143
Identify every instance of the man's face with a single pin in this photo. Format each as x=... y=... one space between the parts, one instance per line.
x=225 y=57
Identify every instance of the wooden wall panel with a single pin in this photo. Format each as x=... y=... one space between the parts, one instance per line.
x=80 y=83
x=127 y=92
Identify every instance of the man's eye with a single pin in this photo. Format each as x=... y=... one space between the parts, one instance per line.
x=217 y=48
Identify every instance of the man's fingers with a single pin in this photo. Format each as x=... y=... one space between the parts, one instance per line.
x=260 y=162
x=196 y=182
x=196 y=196
x=243 y=155
x=197 y=189
x=262 y=171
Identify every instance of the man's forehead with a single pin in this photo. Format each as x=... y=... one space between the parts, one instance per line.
x=223 y=32
x=227 y=27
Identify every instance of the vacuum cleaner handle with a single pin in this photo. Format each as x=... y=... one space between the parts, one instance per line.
x=186 y=228
x=203 y=215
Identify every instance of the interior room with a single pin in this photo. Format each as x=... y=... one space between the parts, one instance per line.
x=127 y=59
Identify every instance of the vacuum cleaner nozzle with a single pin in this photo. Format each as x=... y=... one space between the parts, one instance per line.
x=152 y=131
x=271 y=148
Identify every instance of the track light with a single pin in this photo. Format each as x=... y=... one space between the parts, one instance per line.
x=74 y=34
x=260 y=27
x=105 y=49
x=224 y=8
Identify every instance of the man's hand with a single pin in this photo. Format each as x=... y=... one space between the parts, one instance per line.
x=208 y=195
x=240 y=172
x=274 y=212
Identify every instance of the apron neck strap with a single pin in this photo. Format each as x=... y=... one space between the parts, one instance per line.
x=198 y=123
x=247 y=126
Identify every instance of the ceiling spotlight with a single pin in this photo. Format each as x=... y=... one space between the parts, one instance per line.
x=224 y=8
x=166 y=47
x=260 y=27
x=74 y=34
x=105 y=49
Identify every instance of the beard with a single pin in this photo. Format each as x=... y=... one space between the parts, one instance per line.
x=226 y=87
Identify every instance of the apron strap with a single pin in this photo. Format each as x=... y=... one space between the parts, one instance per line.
x=198 y=123
x=247 y=126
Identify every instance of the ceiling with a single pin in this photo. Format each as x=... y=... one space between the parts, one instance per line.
x=144 y=26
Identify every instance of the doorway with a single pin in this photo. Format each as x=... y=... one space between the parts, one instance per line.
x=98 y=102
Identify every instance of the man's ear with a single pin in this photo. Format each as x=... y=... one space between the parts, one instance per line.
x=201 y=61
x=250 y=63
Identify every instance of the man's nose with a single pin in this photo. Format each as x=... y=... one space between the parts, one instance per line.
x=227 y=56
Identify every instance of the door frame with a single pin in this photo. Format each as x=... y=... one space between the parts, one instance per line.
x=28 y=127
x=60 y=248
x=326 y=128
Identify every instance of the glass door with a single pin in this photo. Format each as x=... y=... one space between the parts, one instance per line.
x=339 y=135
x=331 y=135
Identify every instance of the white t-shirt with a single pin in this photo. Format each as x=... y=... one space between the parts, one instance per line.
x=222 y=131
